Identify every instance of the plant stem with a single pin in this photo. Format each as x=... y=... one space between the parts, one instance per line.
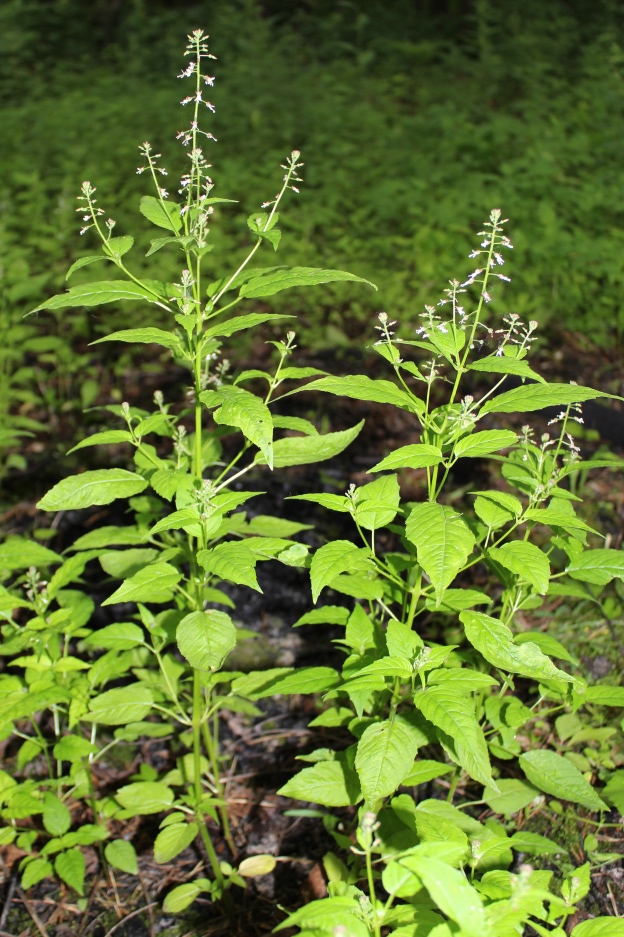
x=198 y=706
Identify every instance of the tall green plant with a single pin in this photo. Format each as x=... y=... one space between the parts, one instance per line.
x=166 y=667
x=436 y=667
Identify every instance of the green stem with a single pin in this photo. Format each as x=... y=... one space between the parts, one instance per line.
x=198 y=707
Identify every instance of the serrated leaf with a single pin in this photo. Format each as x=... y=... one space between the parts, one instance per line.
x=98 y=487
x=597 y=566
x=556 y=775
x=417 y=456
x=295 y=423
x=122 y=705
x=331 y=783
x=234 y=562
x=122 y=855
x=537 y=396
x=555 y=517
x=151 y=584
x=173 y=840
x=304 y=450
x=494 y=640
x=484 y=443
x=534 y=844
x=125 y=563
x=96 y=294
x=145 y=797
x=331 y=560
x=70 y=866
x=604 y=695
x=177 y=520
x=499 y=364
x=286 y=279
x=526 y=561
x=240 y=408
x=163 y=214
x=385 y=756
x=362 y=387
x=146 y=336
x=443 y=542
x=107 y=537
x=103 y=439
x=206 y=638
x=425 y=770
x=454 y=715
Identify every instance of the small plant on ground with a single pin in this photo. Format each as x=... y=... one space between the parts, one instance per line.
x=72 y=692
x=444 y=681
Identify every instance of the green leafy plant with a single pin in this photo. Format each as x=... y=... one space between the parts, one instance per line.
x=161 y=671
x=437 y=667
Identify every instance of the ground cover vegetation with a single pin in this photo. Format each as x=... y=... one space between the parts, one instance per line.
x=439 y=114
x=462 y=722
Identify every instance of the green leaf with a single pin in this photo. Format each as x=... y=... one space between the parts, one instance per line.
x=121 y=855
x=377 y=503
x=177 y=520
x=283 y=681
x=96 y=294
x=144 y=797
x=98 y=487
x=556 y=775
x=443 y=542
x=120 y=706
x=555 y=517
x=70 y=867
x=246 y=411
x=385 y=756
x=452 y=894
x=538 y=396
x=613 y=792
x=173 y=840
x=107 y=537
x=484 y=443
x=604 y=695
x=17 y=553
x=238 y=323
x=85 y=262
x=547 y=644
x=512 y=795
x=120 y=636
x=151 y=584
x=598 y=566
x=147 y=336
x=332 y=559
x=499 y=364
x=259 y=864
x=73 y=748
x=331 y=783
x=426 y=770
x=362 y=387
x=181 y=897
x=295 y=423
x=273 y=283
x=535 y=844
x=125 y=563
x=416 y=456
x=56 y=817
x=526 y=561
x=163 y=214
x=103 y=439
x=35 y=871
x=494 y=640
x=232 y=561
x=600 y=927
x=206 y=638
x=303 y=450
x=454 y=715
